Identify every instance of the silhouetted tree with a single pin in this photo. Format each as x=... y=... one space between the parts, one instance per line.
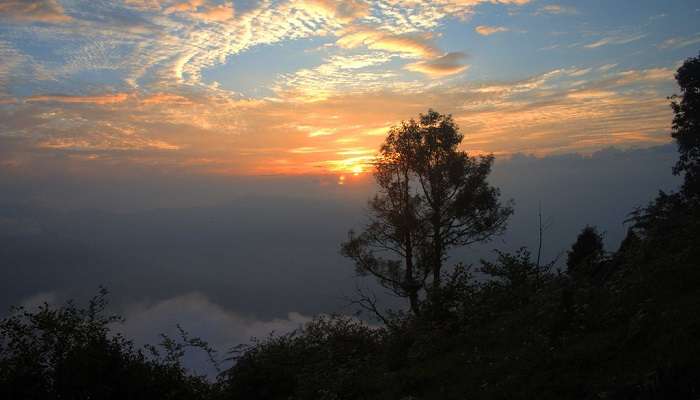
x=395 y=227
x=686 y=124
x=432 y=197
x=461 y=208
x=585 y=253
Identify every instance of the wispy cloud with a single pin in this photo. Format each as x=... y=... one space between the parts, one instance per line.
x=606 y=67
x=100 y=100
x=541 y=114
x=615 y=40
x=128 y=83
x=679 y=42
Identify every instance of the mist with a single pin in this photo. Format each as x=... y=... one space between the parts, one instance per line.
x=240 y=256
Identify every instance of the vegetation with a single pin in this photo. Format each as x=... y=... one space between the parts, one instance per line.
x=433 y=197
x=614 y=325
x=69 y=353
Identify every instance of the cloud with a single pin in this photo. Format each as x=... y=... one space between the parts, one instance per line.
x=152 y=43
x=165 y=98
x=615 y=40
x=338 y=103
x=197 y=314
x=606 y=67
x=345 y=10
x=221 y=328
x=558 y=9
x=49 y=11
x=100 y=99
x=679 y=42
x=337 y=74
x=151 y=105
x=149 y=5
x=219 y=13
x=490 y=30
x=644 y=76
x=411 y=45
x=448 y=64
x=198 y=9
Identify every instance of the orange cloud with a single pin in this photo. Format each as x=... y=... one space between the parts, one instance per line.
x=167 y=98
x=490 y=30
x=49 y=11
x=99 y=100
x=343 y=10
x=340 y=133
x=198 y=9
x=219 y=13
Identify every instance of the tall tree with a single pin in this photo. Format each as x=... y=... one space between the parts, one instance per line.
x=432 y=197
x=461 y=208
x=686 y=124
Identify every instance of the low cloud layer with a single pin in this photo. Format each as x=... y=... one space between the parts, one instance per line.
x=222 y=329
x=263 y=247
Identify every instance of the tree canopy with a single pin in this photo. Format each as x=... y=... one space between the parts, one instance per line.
x=432 y=197
x=686 y=124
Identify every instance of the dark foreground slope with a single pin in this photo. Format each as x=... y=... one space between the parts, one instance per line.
x=625 y=328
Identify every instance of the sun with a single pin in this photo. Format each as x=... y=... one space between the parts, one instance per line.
x=351 y=166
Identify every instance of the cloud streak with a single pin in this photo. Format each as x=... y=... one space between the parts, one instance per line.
x=485 y=30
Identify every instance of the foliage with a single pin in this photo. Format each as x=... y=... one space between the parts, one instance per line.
x=69 y=353
x=432 y=197
x=686 y=124
x=331 y=358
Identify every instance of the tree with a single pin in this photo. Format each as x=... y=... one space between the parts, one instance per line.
x=432 y=197
x=461 y=208
x=686 y=124
x=69 y=352
x=586 y=252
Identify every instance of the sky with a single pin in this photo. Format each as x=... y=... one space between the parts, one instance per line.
x=204 y=159
x=311 y=86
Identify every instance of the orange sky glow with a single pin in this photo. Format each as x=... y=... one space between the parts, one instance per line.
x=312 y=86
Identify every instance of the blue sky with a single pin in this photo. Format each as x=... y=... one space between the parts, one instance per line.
x=308 y=86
